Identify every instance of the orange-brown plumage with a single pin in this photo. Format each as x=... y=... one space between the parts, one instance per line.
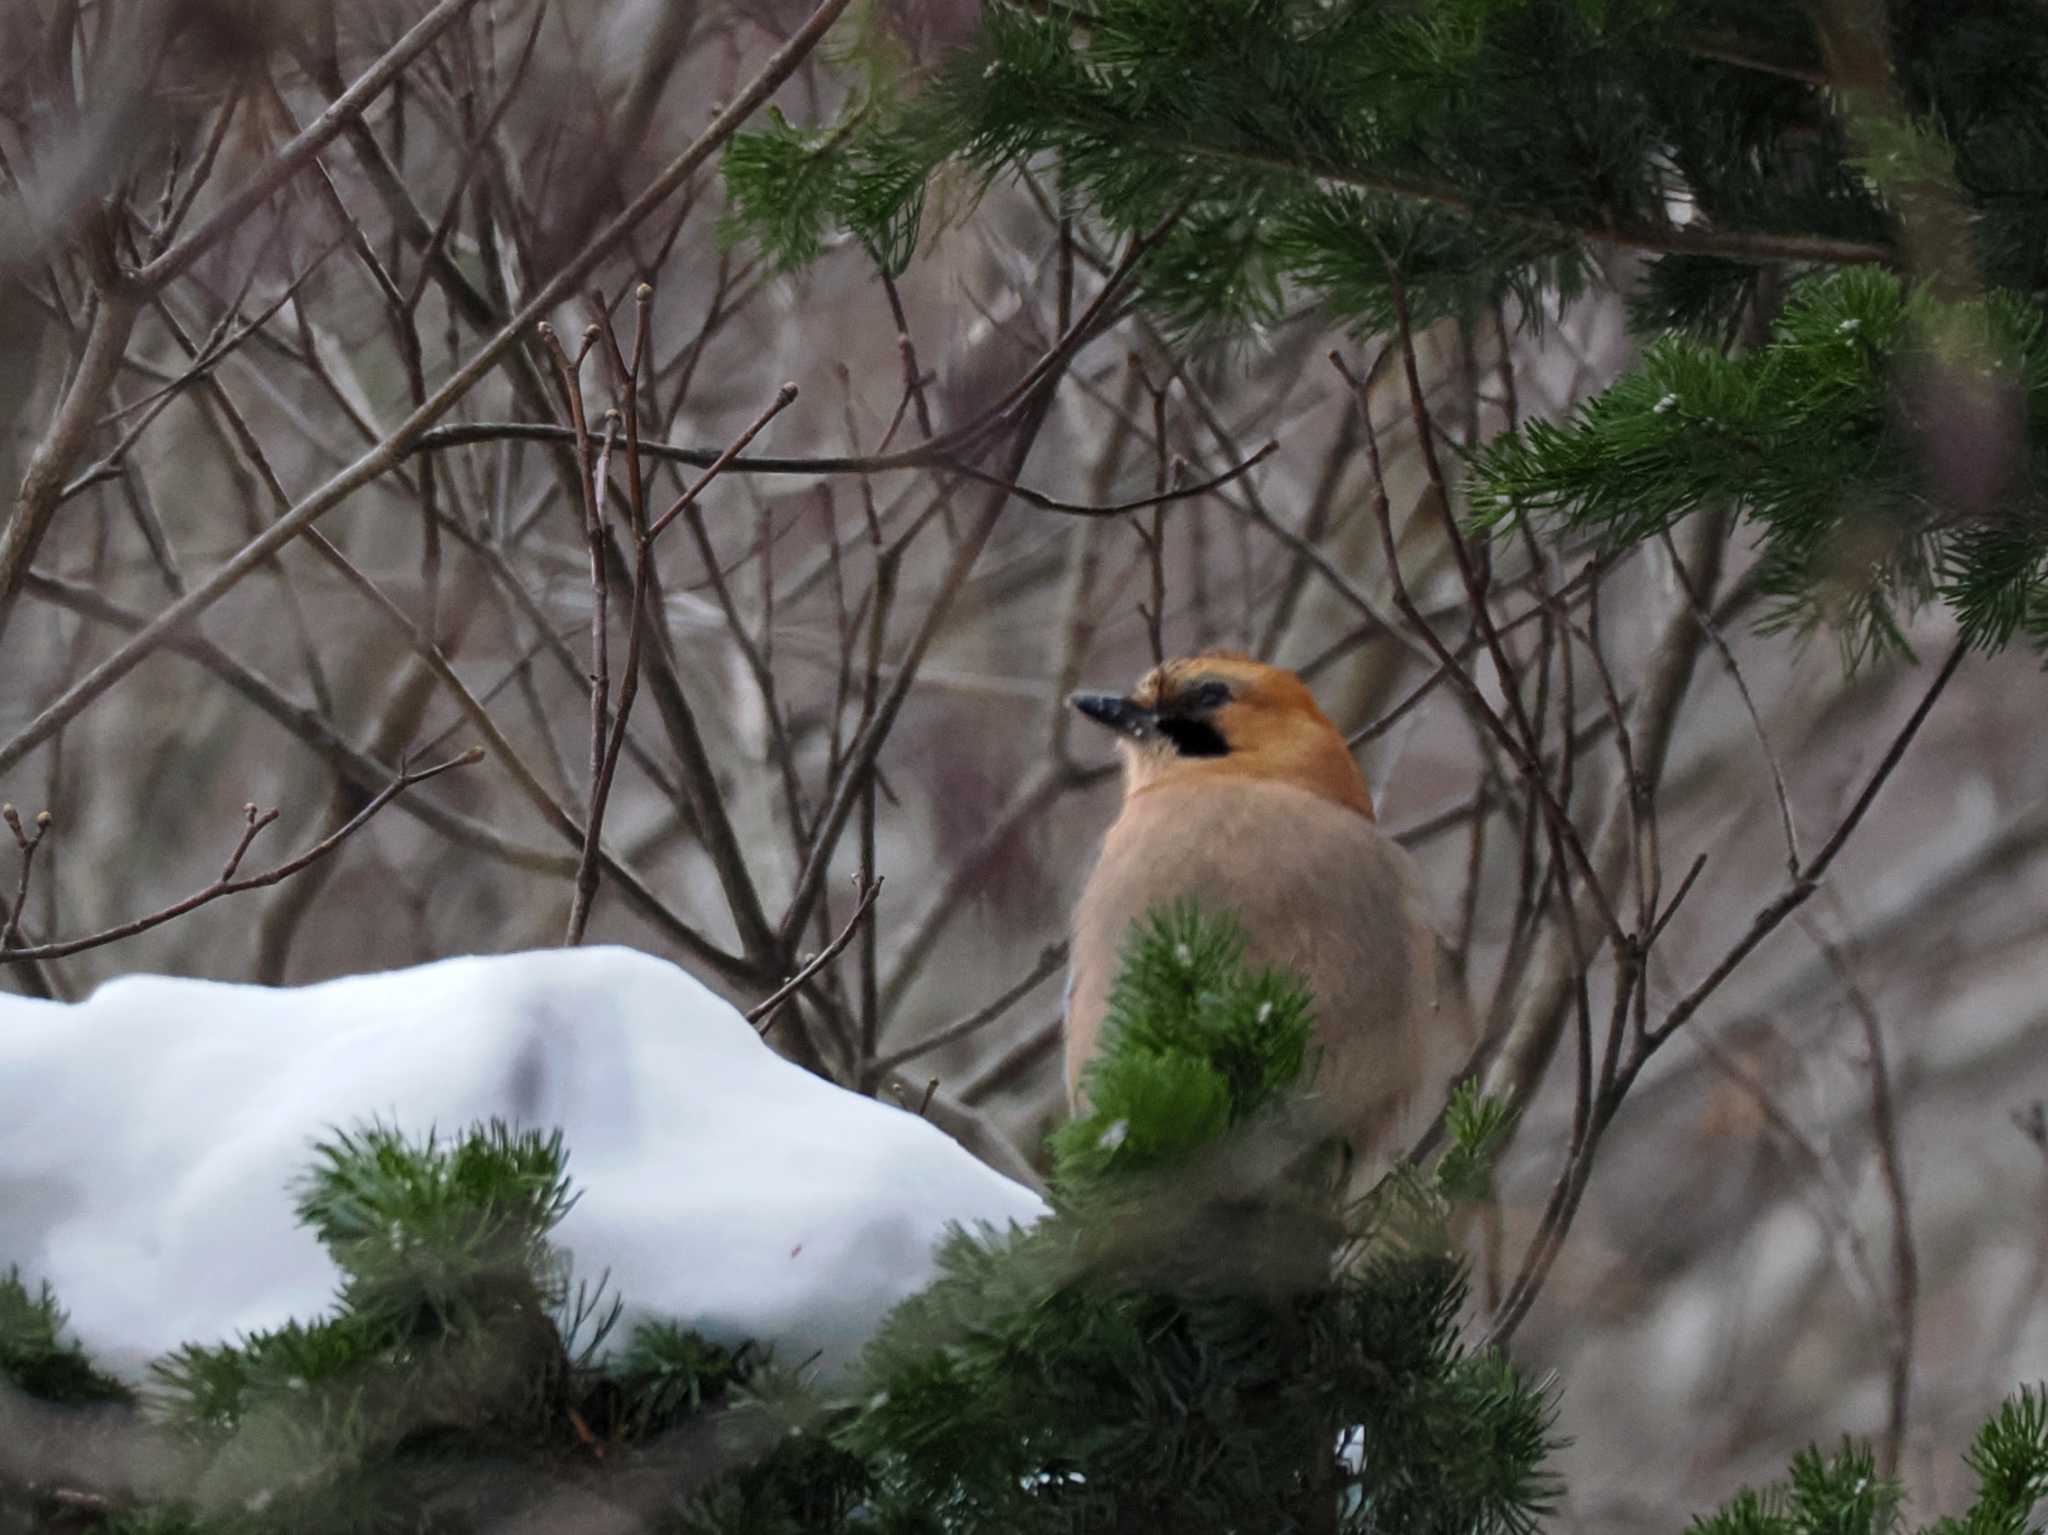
x=1241 y=795
x=1275 y=728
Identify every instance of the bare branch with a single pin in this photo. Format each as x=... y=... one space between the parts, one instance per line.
x=784 y=398
x=762 y=1014
x=1808 y=879
x=10 y=931
x=293 y=157
x=228 y=884
x=1050 y=959
x=387 y=453
x=1884 y=1130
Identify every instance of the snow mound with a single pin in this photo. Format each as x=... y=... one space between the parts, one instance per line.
x=149 y=1138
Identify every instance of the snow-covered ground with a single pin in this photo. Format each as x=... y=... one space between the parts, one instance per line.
x=149 y=1138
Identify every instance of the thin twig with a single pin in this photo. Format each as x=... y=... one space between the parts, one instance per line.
x=344 y=110
x=591 y=480
x=1514 y=742
x=1808 y=878
x=228 y=884
x=762 y=1014
x=387 y=453
x=1557 y=1216
x=10 y=932
x=1884 y=1129
x=784 y=398
x=1050 y=958
x=1756 y=719
x=1020 y=1058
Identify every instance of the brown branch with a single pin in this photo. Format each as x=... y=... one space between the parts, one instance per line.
x=1174 y=491
x=345 y=109
x=948 y=898
x=701 y=797
x=1756 y=720
x=228 y=884
x=762 y=1014
x=757 y=655
x=590 y=485
x=1750 y=245
x=314 y=729
x=1571 y=1185
x=784 y=398
x=929 y=456
x=637 y=891
x=942 y=451
x=174 y=219
x=1753 y=54
x=386 y=454
x=973 y=1131
x=1513 y=742
x=1884 y=1129
x=459 y=434
x=765 y=948
x=861 y=757
x=42 y=487
x=1808 y=879
x=1018 y=1059
x=10 y=931
x=1050 y=958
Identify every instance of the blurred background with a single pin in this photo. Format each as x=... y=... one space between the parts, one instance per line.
x=861 y=659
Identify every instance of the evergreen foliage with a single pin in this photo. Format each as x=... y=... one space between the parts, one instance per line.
x=1200 y=1044
x=456 y=1383
x=1173 y=1348
x=36 y=1357
x=1839 y=440
x=1842 y=1494
x=1442 y=157
x=1176 y=1348
x=1205 y=1336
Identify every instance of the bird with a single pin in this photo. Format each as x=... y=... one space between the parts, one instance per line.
x=1241 y=796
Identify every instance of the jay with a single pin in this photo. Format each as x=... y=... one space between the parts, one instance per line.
x=1241 y=795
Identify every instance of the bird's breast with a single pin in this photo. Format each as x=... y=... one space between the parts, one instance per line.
x=1316 y=887
x=1311 y=882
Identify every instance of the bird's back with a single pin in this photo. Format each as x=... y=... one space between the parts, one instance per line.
x=1319 y=889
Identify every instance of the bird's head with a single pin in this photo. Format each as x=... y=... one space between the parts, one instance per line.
x=1213 y=717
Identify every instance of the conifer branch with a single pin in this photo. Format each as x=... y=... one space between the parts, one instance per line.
x=1755 y=246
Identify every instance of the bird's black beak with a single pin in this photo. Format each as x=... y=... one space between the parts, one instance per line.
x=1119 y=714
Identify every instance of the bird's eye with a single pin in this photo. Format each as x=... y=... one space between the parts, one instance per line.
x=1211 y=695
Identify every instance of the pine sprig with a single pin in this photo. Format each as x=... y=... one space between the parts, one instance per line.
x=1194 y=1044
x=1843 y=1494
x=1302 y=152
x=35 y=1355
x=1476 y=1128
x=1177 y=1347
x=1480 y=150
x=2010 y=1459
x=1830 y=439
